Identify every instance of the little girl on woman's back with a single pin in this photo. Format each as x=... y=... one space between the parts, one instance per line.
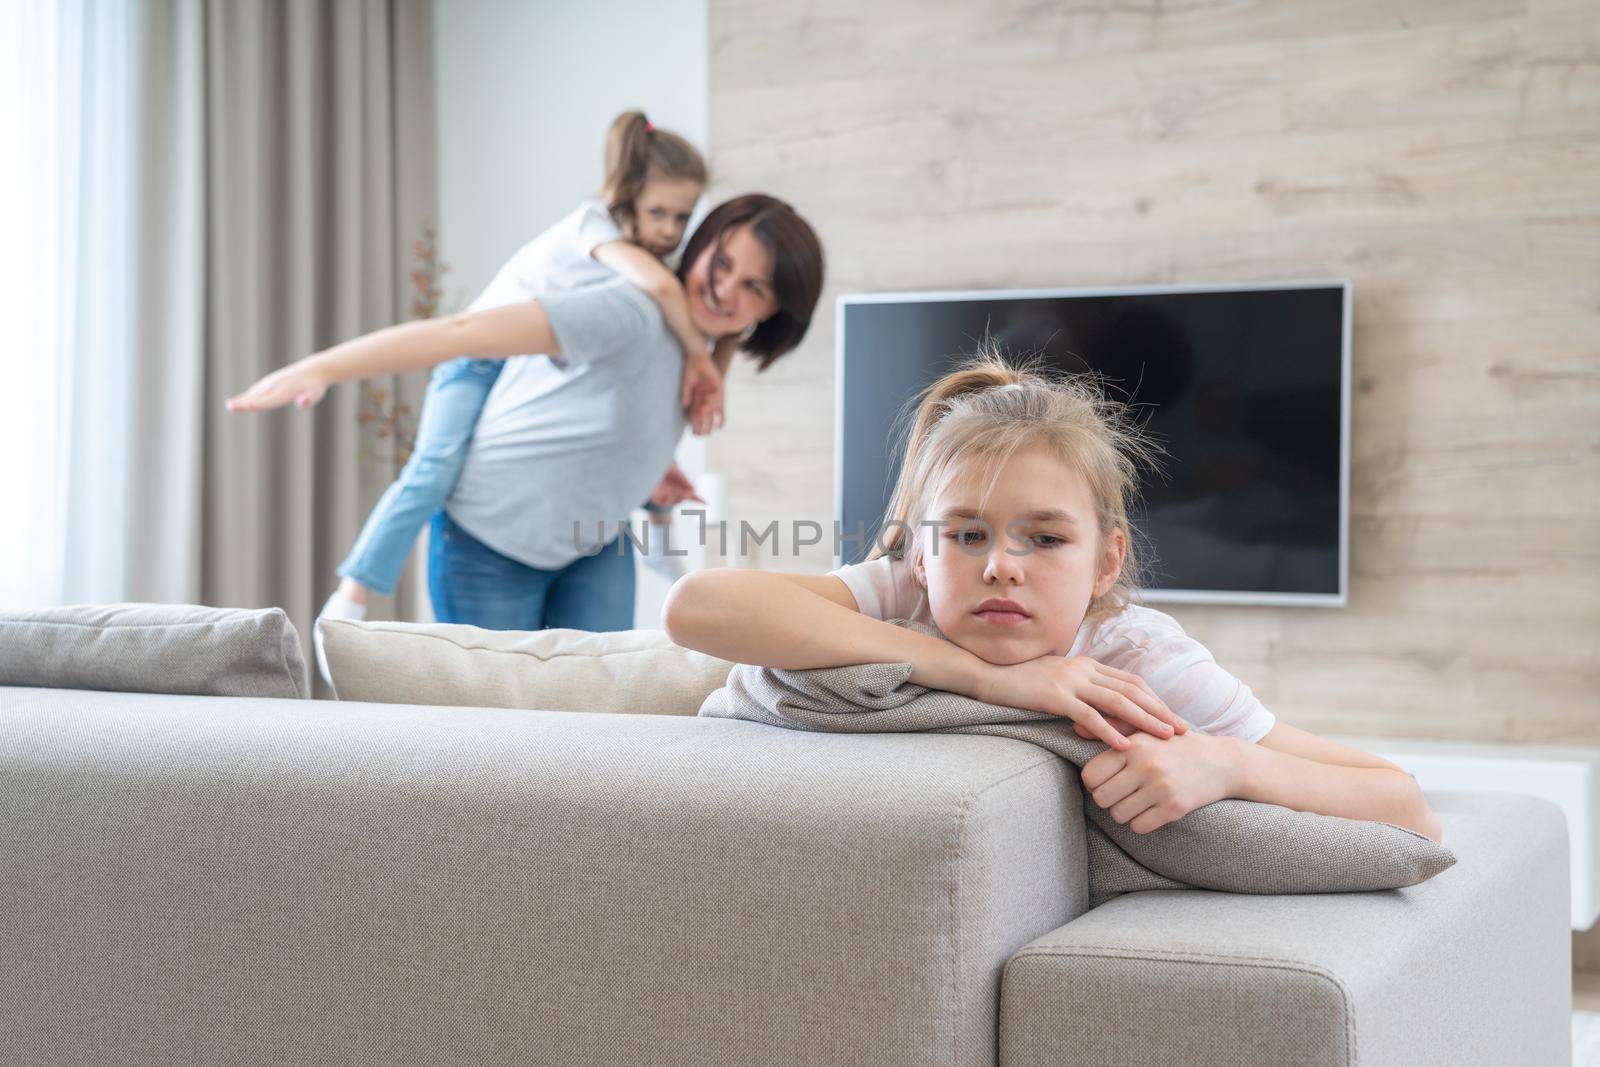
x=1009 y=532
x=653 y=178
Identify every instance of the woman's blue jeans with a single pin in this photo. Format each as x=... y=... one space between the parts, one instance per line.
x=450 y=411
x=471 y=583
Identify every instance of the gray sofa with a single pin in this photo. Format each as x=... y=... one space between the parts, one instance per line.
x=216 y=880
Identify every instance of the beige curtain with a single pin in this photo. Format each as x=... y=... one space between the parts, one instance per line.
x=285 y=158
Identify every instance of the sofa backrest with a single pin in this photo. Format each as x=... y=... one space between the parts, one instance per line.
x=200 y=879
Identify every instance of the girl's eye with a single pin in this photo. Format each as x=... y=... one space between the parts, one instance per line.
x=966 y=537
x=656 y=213
x=1049 y=540
x=723 y=264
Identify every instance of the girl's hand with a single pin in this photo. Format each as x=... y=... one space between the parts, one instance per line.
x=702 y=394
x=298 y=383
x=1085 y=691
x=1125 y=728
x=1154 y=781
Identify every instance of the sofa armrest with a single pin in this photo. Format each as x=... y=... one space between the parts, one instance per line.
x=1473 y=966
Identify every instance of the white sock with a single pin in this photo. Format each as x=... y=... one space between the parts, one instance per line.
x=340 y=606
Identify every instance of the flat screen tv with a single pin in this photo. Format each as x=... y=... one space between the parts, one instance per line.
x=1246 y=387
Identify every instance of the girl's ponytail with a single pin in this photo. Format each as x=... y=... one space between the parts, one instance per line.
x=635 y=151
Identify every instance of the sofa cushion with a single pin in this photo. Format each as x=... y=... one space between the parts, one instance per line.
x=154 y=648
x=1233 y=845
x=629 y=671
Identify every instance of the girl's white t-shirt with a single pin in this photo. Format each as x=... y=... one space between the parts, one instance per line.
x=1137 y=639
x=559 y=259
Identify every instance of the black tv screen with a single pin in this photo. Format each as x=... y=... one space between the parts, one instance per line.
x=1246 y=388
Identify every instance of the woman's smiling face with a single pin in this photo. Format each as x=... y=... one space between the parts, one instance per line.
x=1012 y=580
x=737 y=294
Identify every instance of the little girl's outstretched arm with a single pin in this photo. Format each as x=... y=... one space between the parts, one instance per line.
x=490 y=333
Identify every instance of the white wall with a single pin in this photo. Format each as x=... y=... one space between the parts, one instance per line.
x=526 y=91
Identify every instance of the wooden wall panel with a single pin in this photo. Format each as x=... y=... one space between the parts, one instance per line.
x=1444 y=155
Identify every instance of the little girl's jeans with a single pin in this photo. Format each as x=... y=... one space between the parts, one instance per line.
x=450 y=410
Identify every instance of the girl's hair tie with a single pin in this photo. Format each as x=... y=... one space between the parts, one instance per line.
x=649 y=127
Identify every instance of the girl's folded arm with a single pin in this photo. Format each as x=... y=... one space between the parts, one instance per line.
x=722 y=353
x=796 y=621
x=1299 y=770
x=650 y=274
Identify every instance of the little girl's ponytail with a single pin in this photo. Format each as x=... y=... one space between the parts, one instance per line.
x=637 y=150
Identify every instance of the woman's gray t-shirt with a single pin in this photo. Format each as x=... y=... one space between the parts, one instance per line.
x=564 y=446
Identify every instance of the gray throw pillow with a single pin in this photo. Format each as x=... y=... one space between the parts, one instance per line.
x=1233 y=845
x=154 y=648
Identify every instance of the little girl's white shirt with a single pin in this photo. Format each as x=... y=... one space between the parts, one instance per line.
x=1137 y=639
x=559 y=259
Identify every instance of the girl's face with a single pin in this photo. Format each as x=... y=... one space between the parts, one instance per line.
x=661 y=213
x=738 y=293
x=1013 y=582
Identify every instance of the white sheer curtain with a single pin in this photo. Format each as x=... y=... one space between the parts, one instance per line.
x=31 y=413
x=66 y=102
x=194 y=193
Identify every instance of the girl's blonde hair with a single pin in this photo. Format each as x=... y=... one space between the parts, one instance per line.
x=637 y=151
x=989 y=408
